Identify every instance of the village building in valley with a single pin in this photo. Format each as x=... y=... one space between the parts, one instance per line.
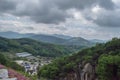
x=31 y=63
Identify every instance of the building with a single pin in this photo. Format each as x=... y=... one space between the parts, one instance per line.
x=23 y=54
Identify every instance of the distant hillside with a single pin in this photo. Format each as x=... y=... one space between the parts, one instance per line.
x=97 y=41
x=62 y=36
x=78 y=41
x=54 y=39
x=48 y=39
x=10 y=34
x=32 y=46
x=14 y=35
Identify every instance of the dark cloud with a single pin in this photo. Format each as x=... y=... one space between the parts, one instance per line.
x=6 y=5
x=52 y=16
x=50 y=11
x=108 y=4
x=81 y=4
x=108 y=19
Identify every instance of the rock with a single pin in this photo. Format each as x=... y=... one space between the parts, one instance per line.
x=87 y=72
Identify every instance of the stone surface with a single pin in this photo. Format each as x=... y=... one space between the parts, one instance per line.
x=3 y=73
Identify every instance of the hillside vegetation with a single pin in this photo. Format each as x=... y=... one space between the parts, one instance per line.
x=32 y=46
x=10 y=63
x=101 y=56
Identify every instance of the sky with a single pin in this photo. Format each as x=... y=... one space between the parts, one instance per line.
x=90 y=19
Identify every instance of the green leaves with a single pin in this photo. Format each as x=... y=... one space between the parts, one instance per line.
x=9 y=63
x=49 y=71
x=3 y=59
x=104 y=62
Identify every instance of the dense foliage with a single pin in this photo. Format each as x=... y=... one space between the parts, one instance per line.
x=9 y=63
x=108 y=67
x=33 y=47
x=99 y=56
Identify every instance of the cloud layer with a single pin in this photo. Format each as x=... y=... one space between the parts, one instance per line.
x=49 y=11
x=86 y=18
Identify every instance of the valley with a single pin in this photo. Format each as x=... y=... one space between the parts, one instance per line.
x=59 y=39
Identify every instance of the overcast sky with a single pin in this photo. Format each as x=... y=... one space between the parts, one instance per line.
x=90 y=19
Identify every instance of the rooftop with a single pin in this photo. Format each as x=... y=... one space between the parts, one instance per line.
x=23 y=54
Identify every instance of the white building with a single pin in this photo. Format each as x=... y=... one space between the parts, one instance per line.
x=23 y=54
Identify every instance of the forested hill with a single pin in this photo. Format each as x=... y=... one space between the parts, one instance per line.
x=53 y=39
x=32 y=46
x=100 y=62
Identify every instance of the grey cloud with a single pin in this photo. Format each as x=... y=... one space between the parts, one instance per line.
x=29 y=28
x=81 y=4
x=108 y=4
x=108 y=19
x=52 y=16
x=61 y=28
x=42 y=13
x=6 y=5
x=51 y=11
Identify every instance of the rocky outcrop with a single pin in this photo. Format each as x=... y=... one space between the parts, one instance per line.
x=87 y=73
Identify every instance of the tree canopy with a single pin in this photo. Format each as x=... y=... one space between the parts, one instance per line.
x=100 y=55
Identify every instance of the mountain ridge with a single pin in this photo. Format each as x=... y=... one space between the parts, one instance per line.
x=54 y=39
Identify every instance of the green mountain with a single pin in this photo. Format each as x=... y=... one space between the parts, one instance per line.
x=10 y=34
x=101 y=62
x=48 y=39
x=78 y=41
x=15 y=35
x=53 y=39
x=98 y=41
x=62 y=36
x=32 y=46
